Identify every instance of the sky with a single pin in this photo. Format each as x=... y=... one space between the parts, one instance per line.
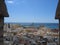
x=38 y=11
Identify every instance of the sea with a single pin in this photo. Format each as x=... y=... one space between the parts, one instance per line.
x=48 y=25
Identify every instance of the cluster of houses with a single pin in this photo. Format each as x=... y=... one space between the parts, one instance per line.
x=44 y=32
x=33 y=34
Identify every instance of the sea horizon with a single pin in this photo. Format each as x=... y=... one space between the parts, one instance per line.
x=48 y=25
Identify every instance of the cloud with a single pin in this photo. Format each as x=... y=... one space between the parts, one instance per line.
x=10 y=2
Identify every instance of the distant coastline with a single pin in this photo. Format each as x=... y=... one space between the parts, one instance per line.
x=48 y=25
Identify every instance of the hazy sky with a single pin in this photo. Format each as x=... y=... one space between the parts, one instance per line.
x=41 y=11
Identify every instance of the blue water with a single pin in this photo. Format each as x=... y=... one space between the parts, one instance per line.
x=48 y=25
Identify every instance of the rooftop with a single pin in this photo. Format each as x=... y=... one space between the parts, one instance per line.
x=58 y=11
x=3 y=9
